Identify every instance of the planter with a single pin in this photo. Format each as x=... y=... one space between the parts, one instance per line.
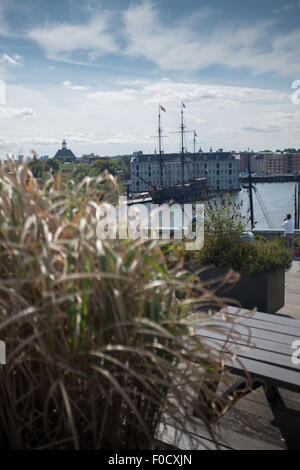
x=264 y=291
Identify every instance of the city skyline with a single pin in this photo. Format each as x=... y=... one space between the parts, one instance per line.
x=94 y=74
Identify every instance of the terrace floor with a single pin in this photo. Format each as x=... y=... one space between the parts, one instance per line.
x=292 y=292
x=251 y=424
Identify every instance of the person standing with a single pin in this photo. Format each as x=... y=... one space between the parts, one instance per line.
x=288 y=225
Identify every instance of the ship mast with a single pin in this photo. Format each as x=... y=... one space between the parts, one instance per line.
x=182 y=132
x=160 y=146
x=297 y=205
x=182 y=144
x=250 y=194
x=195 y=135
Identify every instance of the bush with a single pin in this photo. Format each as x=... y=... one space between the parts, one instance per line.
x=297 y=246
x=99 y=349
x=225 y=247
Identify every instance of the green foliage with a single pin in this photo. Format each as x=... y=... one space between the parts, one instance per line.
x=42 y=168
x=99 y=166
x=268 y=257
x=260 y=238
x=225 y=247
x=79 y=171
x=297 y=245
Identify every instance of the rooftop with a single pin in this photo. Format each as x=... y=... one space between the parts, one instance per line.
x=64 y=153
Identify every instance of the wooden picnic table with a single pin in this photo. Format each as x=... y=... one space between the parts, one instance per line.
x=267 y=362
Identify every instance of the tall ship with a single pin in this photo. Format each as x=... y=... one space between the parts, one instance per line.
x=195 y=190
x=185 y=176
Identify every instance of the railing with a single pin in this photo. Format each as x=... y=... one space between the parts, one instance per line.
x=270 y=234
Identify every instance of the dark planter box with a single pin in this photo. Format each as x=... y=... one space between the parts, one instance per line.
x=265 y=291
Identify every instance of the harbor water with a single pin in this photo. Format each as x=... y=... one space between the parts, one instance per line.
x=278 y=200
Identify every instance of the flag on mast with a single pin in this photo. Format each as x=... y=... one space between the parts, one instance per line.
x=162 y=108
x=195 y=135
x=183 y=104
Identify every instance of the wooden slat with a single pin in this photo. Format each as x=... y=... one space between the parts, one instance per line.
x=267 y=317
x=266 y=357
x=258 y=343
x=255 y=332
x=279 y=376
x=276 y=328
x=263 y=325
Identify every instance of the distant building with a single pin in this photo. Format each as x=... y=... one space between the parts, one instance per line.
x=244 y=160
x=20 y=158
x=277 y=163
x=296 y=163
x=65 y=154
x=220 y=168
x=45 y=157
x=121 y=175
x=258 y=164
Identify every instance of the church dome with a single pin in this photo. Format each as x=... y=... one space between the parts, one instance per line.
x=65 y=154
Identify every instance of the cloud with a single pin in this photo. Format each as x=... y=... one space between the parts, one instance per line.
x=192 y=43
x=288 y=7
x=60 y=41
x=264 y=129
x=10 y=60
x=182 y=47
x=69 y=85
x=125 y=95
x=278 y=122
x=171 y=92
x=29 y=142
x=37 y=141
x=10 y=113
x=121 y=119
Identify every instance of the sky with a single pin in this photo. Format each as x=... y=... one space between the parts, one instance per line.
x=94 y=72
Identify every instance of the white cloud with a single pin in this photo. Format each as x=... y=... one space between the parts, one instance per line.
x=181 y=47
x=189 y=45
x=125 y=95
x=68 y=84
x=10 y=113
x=171 y=93
x=10 y=60
x=61 y=40
x=267 y=128
x=36 y=141
x=118 y=120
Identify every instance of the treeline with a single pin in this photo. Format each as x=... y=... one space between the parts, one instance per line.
x=79 y=170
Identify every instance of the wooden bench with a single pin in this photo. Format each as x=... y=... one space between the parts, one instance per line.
x=268 y=362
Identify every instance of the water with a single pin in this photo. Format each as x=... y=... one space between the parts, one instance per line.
x=278 y=200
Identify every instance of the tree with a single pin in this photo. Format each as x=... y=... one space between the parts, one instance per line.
x=101 y=165
x=40 y=168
